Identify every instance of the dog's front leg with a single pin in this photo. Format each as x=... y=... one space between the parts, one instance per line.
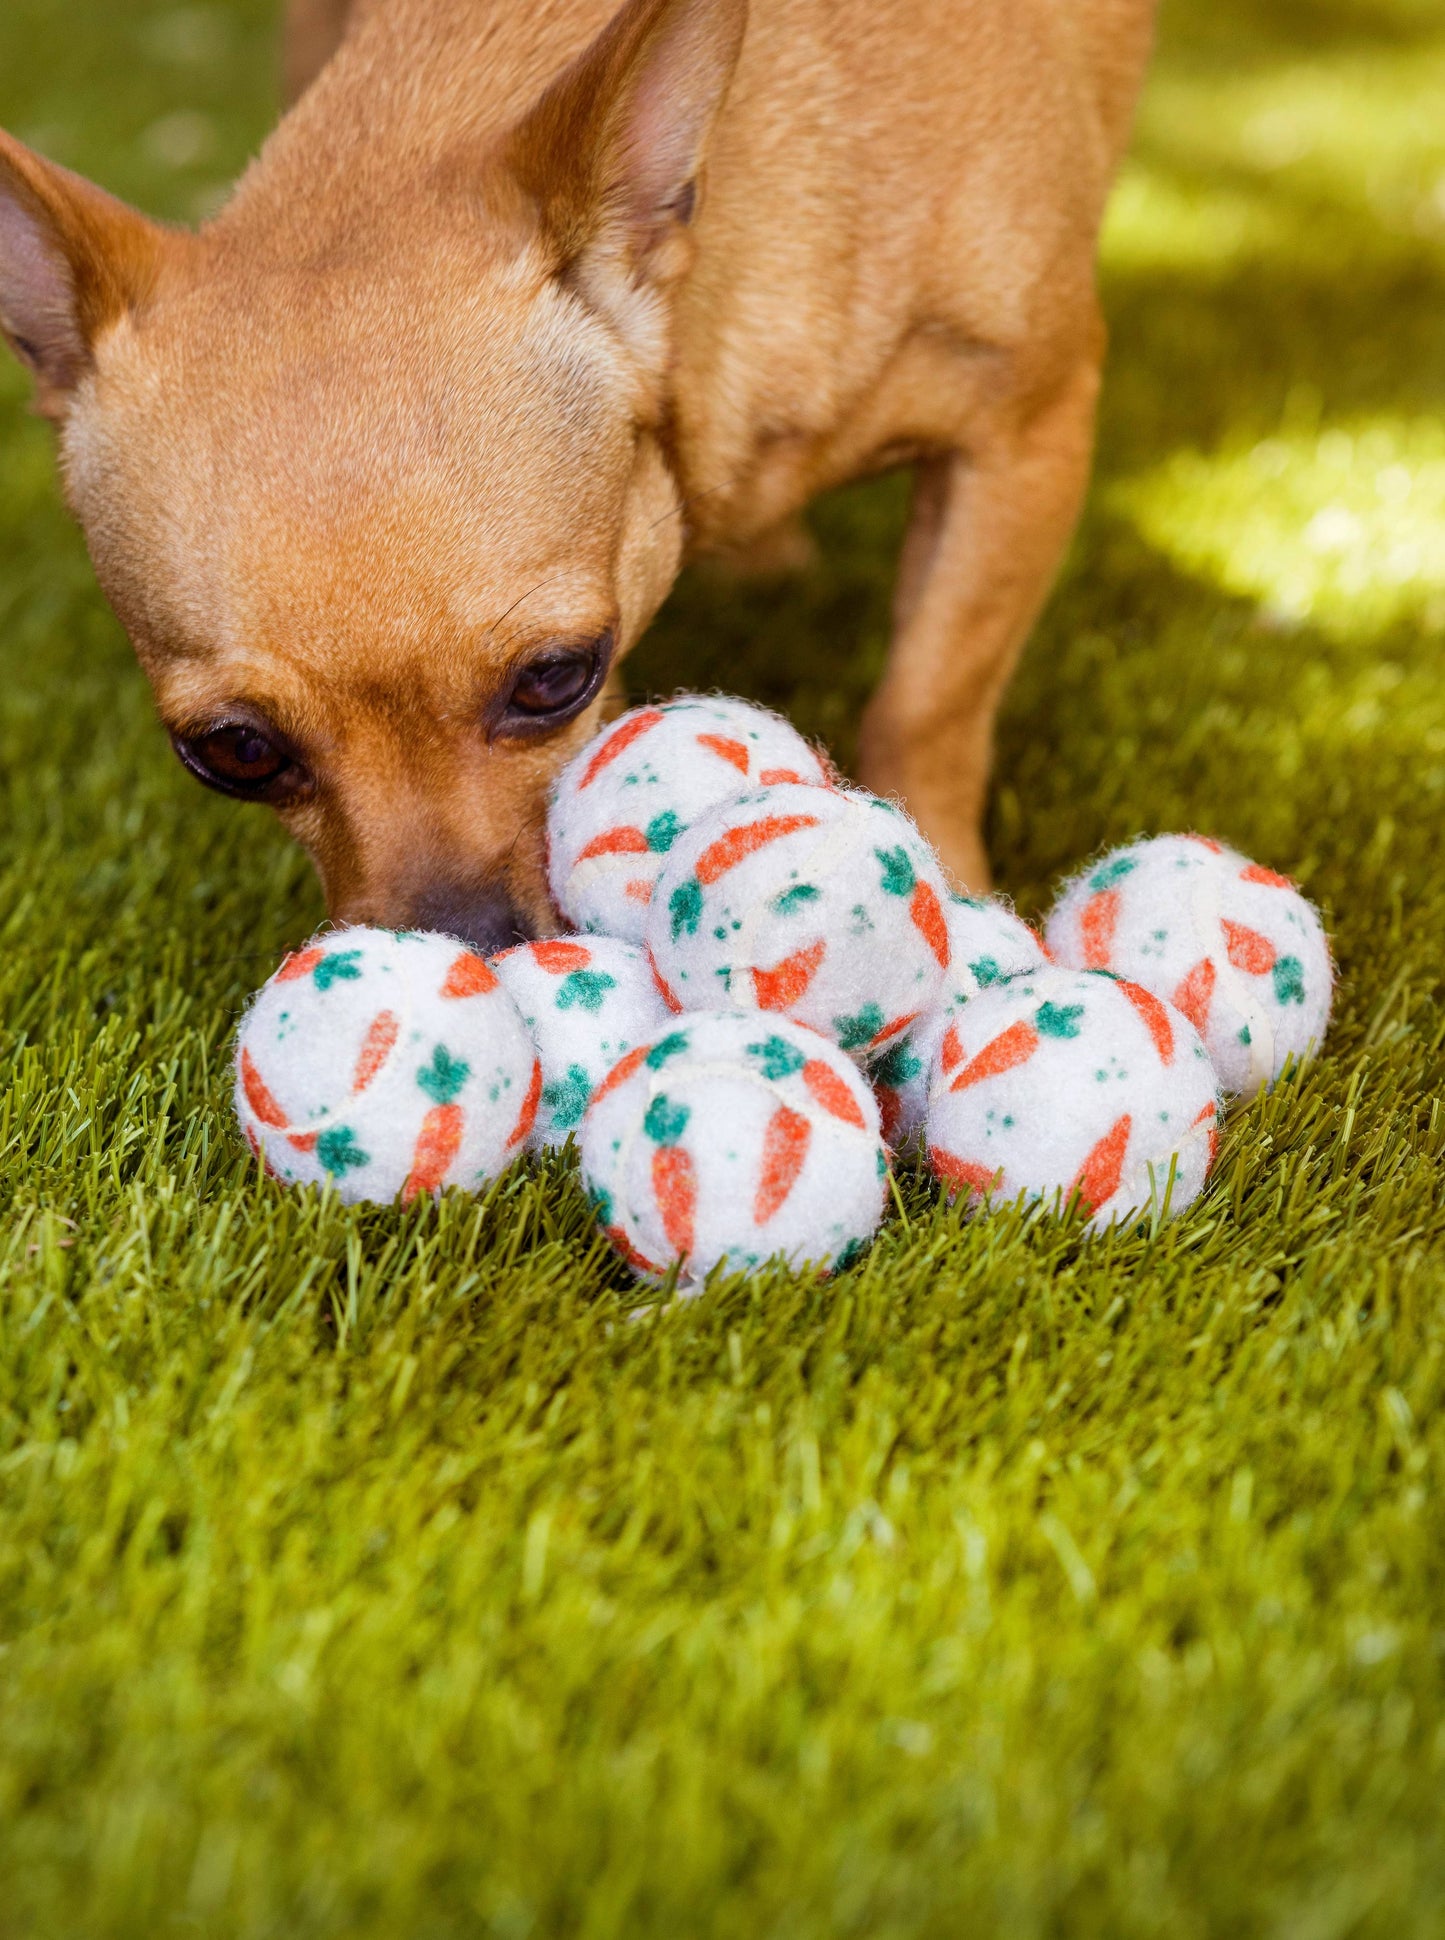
x=989 y=529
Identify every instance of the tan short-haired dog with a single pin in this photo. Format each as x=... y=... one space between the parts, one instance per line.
x=524 y=302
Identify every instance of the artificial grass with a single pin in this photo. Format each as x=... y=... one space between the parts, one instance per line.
x=370 y=1572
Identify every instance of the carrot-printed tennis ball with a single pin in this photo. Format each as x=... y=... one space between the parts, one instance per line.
x=987 y=944
x=619 y=806
x=731 y=1140
x=1073 y=1085
x=587 y=1001
x=388 y=1064
x=823 y=905
x=1234 y=946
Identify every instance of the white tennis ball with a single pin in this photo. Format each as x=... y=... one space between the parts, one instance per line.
x=823 y=905
x=732 y=1140
x=1232 y=945
x=987 y=944
x=587 y=1001
x=391 y=1064
x=1063 y=1082
x=619 y=806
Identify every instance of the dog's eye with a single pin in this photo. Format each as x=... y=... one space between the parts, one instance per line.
x=552 y=688
x=239 y=759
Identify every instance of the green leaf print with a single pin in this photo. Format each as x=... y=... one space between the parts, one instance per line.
x=898 y=1066
x=338 y=1150
x=898 y=876
x=584 y=988
x=1289 y=980
x=601 y=1203
x=778 y=1058
x=666 y=1047
x=444 y=1077
x=1058 y=1020
x=665 y=1122
x=567 y=1099
x=986 y=971
x=662 y=831
x=795 y=898
x=1113 y=872
x=341 y=966
x=859 y=1029
x=685 y=907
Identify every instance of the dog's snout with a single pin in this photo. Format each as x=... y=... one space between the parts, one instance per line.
x=486 y=918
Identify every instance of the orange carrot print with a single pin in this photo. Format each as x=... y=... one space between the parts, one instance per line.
x=619 y=741
x=664 y=989
x=1196 y=993
x=376 y=1048
x=1006 y=1052
x=829 y=1091
x=927 y=913
x=785 y=1149
x=1098 y=1177
x=639 y=1262
x=674 y=1186
x=527 y=1117
x=1247 y=949
x=437 y=1144
x=1097 y=923
x=297 y=965
x=259 y=1096
x=1156 y=1019
x=962 y=1175
x=618 y=841
x=730 y=750
x=469 y=976
x=739 y=843
x=556 y=955
x=785 y=983
x=621 y=1071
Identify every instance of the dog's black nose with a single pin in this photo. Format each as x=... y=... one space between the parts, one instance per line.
x=486 y=918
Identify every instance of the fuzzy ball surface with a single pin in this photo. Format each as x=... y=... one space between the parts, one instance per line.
x=822 y=905
x=987 y=945
x=390 y=1064
x=587 y=1001
x=1234 y=946
x=1071 y=1082
x=620 y=805
x=732 y=1140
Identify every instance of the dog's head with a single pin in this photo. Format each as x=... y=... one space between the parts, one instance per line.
x=374 y=472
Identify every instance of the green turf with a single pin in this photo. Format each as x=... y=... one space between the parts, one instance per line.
x=367 y=1573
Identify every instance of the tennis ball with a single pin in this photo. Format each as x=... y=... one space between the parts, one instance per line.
x=987 y=944
x=823 y=905
x=619 y=806
x=586 y=1001
x=731 y=1140
x=1232 y=945
x=1071 y=1082
x=391 y=1064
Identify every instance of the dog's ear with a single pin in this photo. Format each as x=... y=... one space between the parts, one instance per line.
x=72 y=261
x=612 y=152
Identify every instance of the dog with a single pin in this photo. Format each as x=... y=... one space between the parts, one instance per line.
x=524 y=302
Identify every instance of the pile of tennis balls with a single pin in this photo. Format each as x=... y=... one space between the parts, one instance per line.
x=769 y=991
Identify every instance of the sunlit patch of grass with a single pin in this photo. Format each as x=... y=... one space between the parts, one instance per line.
x=1343 y=527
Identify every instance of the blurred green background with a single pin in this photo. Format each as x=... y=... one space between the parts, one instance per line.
x=364 y=1573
